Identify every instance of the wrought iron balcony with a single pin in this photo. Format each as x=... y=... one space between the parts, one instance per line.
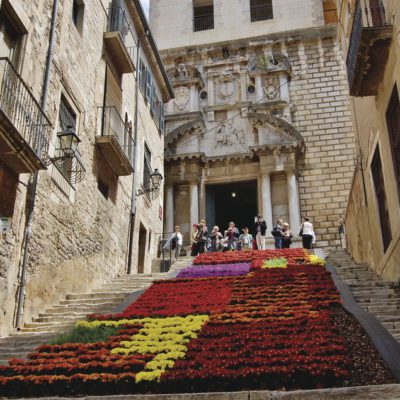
x=203 y=22
x=119 y=40
x=261 y=12
x=369 y=45
x=24 y=128
x=115 y=141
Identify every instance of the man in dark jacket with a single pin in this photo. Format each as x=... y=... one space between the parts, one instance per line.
x=260 y=227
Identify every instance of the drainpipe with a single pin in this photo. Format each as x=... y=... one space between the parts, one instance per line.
x=33 y=188
x=135 y=157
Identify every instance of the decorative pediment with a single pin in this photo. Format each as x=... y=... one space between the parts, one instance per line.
x=189 y=127
x=270 y=63
x=184 y=74
x=282 y=133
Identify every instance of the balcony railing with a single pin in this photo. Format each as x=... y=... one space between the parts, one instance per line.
x=203 y=22
x=368 y=47
x=119 y=21
x=261 y=12
x=22 y=119
x=116 y=141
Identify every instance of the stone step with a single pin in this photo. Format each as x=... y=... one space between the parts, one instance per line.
x=63 y=313
x=94 y=295
x=384 y=309
x=55 y=319
x=100 y=300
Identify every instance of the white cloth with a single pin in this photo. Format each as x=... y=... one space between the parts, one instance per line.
x=179 y=238
x=308 y=228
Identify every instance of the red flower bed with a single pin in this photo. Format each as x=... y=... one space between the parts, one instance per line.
x=178 y=297
x=269 y=329
x=231 y=257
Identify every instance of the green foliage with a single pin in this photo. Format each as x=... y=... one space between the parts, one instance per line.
x=82 y=334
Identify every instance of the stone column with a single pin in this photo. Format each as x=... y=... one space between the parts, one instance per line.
x=210 y=90
x=284 y=87
x=267 y=201
x=202 y=197
x=194 y=99
x=259 y=89
x=294 y=208
x=243 y=87
x=194 y=204
x=169 y=208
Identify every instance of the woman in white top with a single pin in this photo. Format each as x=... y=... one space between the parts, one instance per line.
x=176 y=242
x=307 y=233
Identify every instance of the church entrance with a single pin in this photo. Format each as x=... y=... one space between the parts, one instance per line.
x=235 y=202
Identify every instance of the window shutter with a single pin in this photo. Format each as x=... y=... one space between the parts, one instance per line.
x=148 y=86
x=153 y=99
x=162 y=118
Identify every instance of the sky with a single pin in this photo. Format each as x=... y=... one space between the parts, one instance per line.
x=145 y=4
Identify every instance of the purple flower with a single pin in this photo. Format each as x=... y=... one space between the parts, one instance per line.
x=201 y=271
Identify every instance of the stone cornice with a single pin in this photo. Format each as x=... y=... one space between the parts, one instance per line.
x=193 y=115
x=285 y=36
x=190 y=126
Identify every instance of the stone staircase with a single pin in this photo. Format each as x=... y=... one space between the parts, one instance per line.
x=61 y=317
x=380 y=298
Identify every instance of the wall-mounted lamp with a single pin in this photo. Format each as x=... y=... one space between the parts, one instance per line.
x=67 y=158
x=154 y=188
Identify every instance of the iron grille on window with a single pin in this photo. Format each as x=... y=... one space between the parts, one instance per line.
x=393 y=122
x=379 y=183
x=203 y=18
x=260 y=10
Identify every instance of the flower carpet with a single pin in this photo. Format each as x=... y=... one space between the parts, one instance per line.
x=232 y=321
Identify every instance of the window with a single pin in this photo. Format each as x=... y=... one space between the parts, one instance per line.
x=260 y=10
x=67 y=122
x=149 y=83
x=10 y=36
x=78 y=8
x=142 y=76
x=393 y=123
x=379 y=183
x=162 y=118
x=146 y=167
x=330 y=12
x=203 y=15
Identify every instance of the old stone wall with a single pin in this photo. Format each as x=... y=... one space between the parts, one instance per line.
x=320 y=93
x=369 y=114
x=79 y=237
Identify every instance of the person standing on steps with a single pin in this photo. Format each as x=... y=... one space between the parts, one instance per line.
x=277 y=234
x=215 y=237
x=260 y=227
x=194 y=250
x=307 y=234
x=232 y=235
x=176 y=242
x=286 y=236
x=245 y=240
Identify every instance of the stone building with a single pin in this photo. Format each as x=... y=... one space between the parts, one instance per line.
x=370 y=38
x=80 y=138
x=261 y=119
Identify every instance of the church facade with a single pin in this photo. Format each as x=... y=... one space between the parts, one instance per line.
x=260 y=122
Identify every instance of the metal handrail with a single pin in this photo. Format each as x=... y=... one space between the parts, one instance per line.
x=118 y=21
x=364 y=17
x=261 y=12
x=114 y=125
x=23 y=110
x=203 y=22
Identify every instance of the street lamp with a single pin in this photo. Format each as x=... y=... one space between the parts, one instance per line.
x=155 y=183
x=69 y=141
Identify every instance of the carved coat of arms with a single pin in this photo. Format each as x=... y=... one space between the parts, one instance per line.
x=182 y=95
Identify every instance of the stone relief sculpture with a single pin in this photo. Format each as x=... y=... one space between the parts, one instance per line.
x=182 y=72
x=182 y=95
x=228 y=135
x=271 y=87
x=226 y=86
x=270 y=62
